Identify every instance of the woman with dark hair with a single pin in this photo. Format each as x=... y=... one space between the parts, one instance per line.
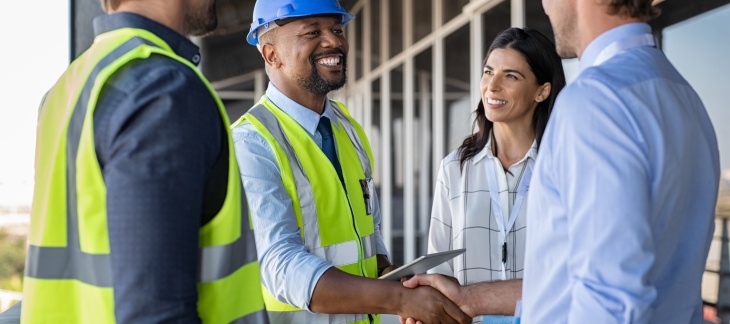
x=479 y=201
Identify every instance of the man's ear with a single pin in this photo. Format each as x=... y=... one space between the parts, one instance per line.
x=270 y=57
x=544 y=92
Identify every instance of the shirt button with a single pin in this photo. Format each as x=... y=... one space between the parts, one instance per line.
x=196 y=58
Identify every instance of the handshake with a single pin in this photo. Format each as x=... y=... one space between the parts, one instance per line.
x=442 y=299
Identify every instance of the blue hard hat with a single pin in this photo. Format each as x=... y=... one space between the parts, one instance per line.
x=266 y=11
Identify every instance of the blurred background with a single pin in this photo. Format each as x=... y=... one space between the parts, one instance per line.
x=414 y=71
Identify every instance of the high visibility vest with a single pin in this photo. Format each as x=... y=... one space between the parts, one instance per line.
x=334 y=221
x=68 y=275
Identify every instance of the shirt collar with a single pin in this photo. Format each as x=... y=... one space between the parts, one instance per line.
x=181 y=45
x=609 y=37
x=487 y=152
x=307 y=118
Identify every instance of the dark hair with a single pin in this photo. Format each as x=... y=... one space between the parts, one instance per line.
x=641 y=9
x=539 y=52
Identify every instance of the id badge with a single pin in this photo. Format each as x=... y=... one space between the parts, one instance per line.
x=368 y=188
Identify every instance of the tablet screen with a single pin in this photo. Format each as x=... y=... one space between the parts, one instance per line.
x=422 y=264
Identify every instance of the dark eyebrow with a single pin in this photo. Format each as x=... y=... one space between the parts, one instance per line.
x=514 y=71
x=507 y=70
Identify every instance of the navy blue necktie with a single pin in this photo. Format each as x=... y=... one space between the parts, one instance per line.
x=328 y=144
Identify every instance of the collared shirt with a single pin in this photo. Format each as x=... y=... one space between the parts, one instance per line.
x=463 y=217
x=288 y=270
x=622 y=201
x=159 y=136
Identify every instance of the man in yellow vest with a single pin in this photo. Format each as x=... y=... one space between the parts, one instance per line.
x=307 y=169
x=139 y=215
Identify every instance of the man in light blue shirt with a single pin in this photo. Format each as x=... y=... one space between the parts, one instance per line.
x=622 y=200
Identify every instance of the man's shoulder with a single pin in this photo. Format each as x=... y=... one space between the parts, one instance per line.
x=628 y=69
x=245 y=131
x=158 y=68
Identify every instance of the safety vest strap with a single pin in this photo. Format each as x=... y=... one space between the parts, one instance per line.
x=304 y=187
x=70 y=262
x=345 y=253
x=354 y=138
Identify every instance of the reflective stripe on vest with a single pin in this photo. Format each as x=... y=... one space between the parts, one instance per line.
x=218 y=262
x=229 y=285
x=304 y=187
x=345 y=253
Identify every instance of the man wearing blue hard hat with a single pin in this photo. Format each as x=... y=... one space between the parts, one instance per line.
x=307 y=166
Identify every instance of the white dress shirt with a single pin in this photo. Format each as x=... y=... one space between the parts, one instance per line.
x=463 y=217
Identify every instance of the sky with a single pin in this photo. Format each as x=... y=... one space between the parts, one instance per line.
x=35 y=53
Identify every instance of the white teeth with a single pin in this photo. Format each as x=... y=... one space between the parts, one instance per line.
x=496 y=102
x=329 y=61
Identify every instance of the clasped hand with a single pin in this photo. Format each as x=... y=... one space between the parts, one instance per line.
x=436 y=290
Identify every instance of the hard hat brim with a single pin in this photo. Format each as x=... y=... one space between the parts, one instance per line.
x=252 y=38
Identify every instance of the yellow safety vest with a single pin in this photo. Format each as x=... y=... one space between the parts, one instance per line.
x=334 y=222
x=68 y=273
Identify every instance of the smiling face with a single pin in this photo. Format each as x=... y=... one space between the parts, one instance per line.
x=510 y=92
x=311 y=53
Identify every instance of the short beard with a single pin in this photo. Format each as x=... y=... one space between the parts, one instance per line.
x=566 y=34
x=564 y=50
x=316 y=84
x=202 y=21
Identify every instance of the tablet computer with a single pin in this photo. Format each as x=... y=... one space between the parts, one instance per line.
x=422 y=264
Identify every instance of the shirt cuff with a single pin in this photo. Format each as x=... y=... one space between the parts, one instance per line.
x=317 y=273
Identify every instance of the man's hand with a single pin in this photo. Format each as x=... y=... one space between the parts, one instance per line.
x=429 y=306
x=482 y=298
